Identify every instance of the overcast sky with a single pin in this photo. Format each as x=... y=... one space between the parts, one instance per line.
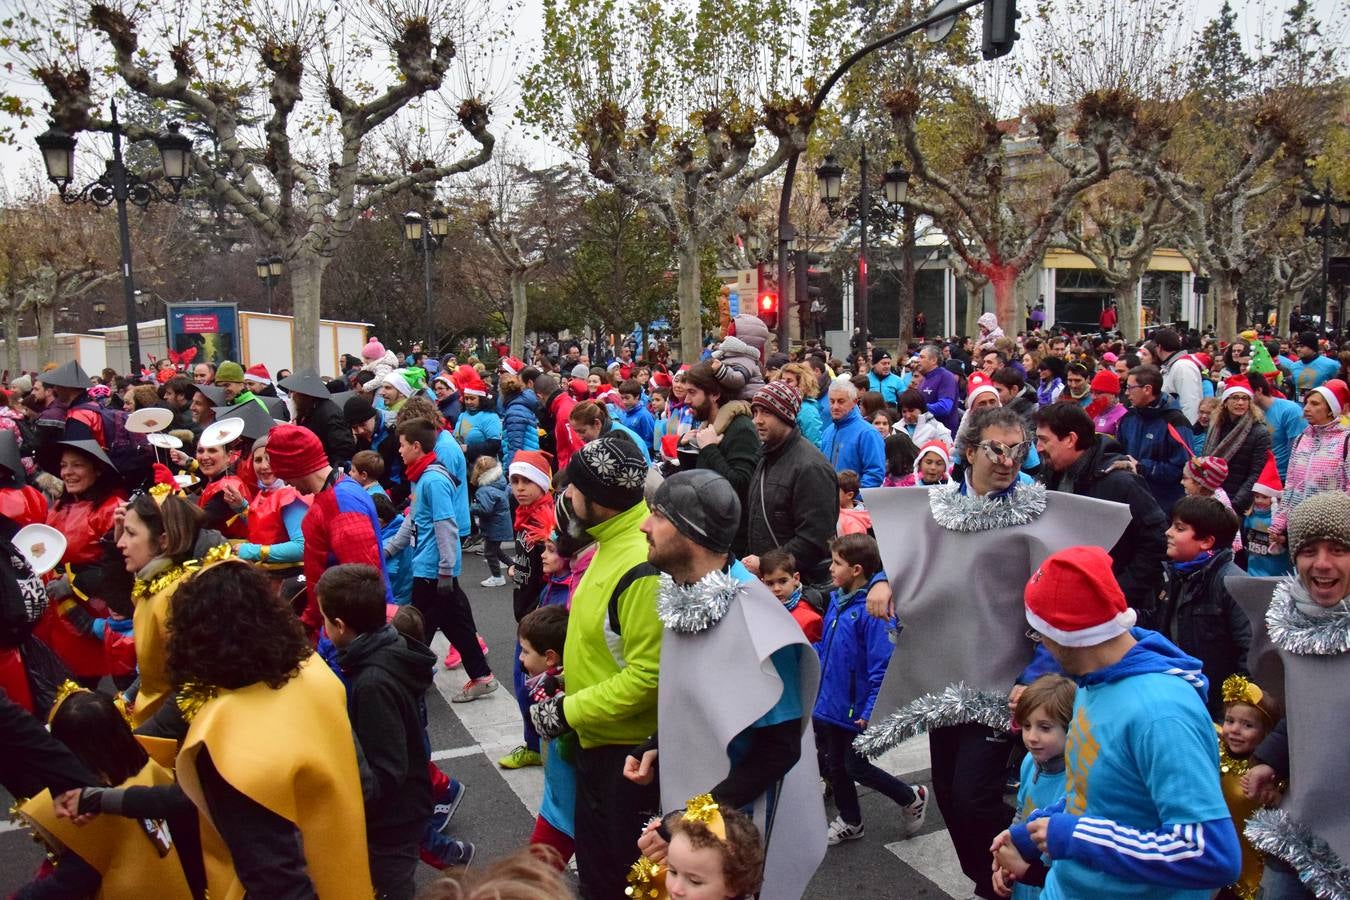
x=19 y=163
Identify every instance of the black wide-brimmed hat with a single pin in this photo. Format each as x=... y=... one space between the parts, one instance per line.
x=49 y=456
x=305 y=382
x=67 y=375
x=257 y=421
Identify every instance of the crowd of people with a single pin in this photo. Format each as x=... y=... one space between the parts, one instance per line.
x=1106 y=579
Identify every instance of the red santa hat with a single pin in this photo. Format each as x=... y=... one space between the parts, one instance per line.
x=662 y=379
x=1269 y=481
x=474 y=387
x=934 y=446
x=258 y=373
x=978 y=379
x=1075 y=601
x=510 y=365
x=533 y=465
x=1237 y=386
x=1337 y=395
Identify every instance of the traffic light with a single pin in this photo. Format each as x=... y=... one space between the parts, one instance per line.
x=1000 y=31
x=768 y=309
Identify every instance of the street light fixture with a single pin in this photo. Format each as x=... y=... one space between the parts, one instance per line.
x=100 y=307
x=1333 y=224
x=896 y=183
x=830 y=175
x=270 y=269
x=118 y=186
x=427 y=234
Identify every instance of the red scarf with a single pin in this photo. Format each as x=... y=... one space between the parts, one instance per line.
x=415 y=470
x=536 y=520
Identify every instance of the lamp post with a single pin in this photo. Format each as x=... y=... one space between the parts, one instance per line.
x=270 y=270
x=118 y=186
x=99 y=308
x=1333 y=224
x=427 y=235
x=830 y=176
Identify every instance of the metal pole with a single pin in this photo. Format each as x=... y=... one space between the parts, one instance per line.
x=865 y=201
x=270 y=282
x=426 y=269
x=120 y=193
x=1326 y=254
x=790 y=170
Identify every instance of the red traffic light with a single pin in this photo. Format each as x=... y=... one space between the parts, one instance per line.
x=768 y=303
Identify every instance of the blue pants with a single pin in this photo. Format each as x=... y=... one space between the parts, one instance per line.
x=522 y=698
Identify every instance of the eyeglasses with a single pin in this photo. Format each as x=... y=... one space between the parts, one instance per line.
x=1134 y=387
x=997 y=450
x=1033 y=635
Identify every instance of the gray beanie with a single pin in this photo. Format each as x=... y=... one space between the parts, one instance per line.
x=702 y=506
x=23 y=384
x=580 y=371
x=1324 y=516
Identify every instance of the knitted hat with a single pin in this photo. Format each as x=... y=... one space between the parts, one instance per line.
x=779 y=398
x=1307 y=339
x=702 y=505
x=1074 y=600
x=357 y=410
x=230 y=373
x=580 y=371
x=23 y=384
x=1211 y=471
x=534 y=465
x=1269 y=482
x=934 y=446
x=1237 y=386
x=1337 y=395
x=1324 y=516
x=610 y=470
x=294 y=452
x=1109 y=357
x=878 y=354
x=1106 y=382
x=373 y=350
x=578 y=388
x=258 y=372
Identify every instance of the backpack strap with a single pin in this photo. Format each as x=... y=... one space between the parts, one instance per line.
x=641 y=570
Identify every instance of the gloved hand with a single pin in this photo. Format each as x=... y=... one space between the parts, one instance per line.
x=79 y=617
x=548 y=719
x=59 y=589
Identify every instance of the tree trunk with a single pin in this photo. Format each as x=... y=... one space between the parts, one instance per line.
x=974 y=309
x=306 y=269
x=1127 y=309
x=519 y=312
x=1285 y=310
x=1224 y=297
x=13 y=360
x=45 y=313
x=690 y=303
x=907 y=277
x=1003 y=279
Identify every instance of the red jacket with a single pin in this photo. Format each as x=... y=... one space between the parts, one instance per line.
x=565 y=440
x=219 y=515
x=84 y=524
x=24 y=504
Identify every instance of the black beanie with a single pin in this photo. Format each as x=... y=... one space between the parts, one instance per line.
x=610 y=470
x=702 y=506
x=357 y=411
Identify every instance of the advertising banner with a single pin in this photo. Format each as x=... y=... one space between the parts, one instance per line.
x=211 y=328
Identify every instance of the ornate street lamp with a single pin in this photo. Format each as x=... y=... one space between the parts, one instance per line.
x=270 y=269
x=427 y=234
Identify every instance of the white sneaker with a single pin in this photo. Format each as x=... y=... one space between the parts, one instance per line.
x=914 y=813
x=493 y=581
x=840 y=831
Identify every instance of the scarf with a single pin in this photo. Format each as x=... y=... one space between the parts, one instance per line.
x=1046 y=393
x=1080 y=394
x=415 y=470
x=1186 y=568
x=791 y=603
x=536 y=521
x=1228 y=445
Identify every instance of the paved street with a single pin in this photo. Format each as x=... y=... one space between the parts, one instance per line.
x=498 y=810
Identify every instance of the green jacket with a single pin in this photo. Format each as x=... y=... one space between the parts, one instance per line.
x=608 y=701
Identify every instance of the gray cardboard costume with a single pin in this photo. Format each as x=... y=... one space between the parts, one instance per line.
x=958 y=566
x=716 y=680
x=1311 y=829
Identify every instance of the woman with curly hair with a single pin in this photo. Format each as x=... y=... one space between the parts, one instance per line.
x=800 y=376
x=159 y=542
x=267 y=758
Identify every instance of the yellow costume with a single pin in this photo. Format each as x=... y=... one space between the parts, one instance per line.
x=1237 y=689
x=290 y=750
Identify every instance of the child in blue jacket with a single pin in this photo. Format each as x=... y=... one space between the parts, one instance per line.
x=854 y=651
x=398 y=566
x=492 y=505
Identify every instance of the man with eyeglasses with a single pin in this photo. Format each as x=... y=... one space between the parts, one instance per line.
x=959 y=556
x=1077 y=460
x=1156 y=435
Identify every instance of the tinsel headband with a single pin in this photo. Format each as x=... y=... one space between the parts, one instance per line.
x=1237 y=689
x=63 y=693
x=704 y=810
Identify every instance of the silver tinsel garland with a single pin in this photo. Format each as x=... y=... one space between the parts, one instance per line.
x=1275 y=832
x=955 y=704
x=690 y=608
x=956 y=511
x=1293 y=631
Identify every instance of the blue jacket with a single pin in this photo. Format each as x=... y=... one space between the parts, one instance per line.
x=890 y=388
x=941 y=392
x=480 y=431
x=1144 y=434
x=1286 y=423
x=641 y=421
x=852 y=443
x=809 y=421
x=398 y=566
x=854 y=650
x=492 y=503
x=520 y=425
x=1143 y=817
x=449 y=455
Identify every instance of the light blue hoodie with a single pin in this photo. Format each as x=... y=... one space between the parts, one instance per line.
x=1143 y=814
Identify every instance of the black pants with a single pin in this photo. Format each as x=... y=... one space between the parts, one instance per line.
x=970 y=764
x=610 y=814
x=392 y=866
x=449 y=611
x=844 y=766
x=495 y=554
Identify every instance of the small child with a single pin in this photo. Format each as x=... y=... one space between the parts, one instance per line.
x=386 y=674
x=557 y=590
x=1261 y=559
x=715 y=854
x=853 y=516
x=931 y=467
x=635 y=413
x=398 y=566
x=1201 y=430
x=1248 y=716
x=1204 y=477
x=542 y=634
x=778 y=571
x=367 y=470
x=1042 y=713
x=1197 y=612
x=736 y=367
x=659 y=406
x=493 y=508
x=853 y=655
